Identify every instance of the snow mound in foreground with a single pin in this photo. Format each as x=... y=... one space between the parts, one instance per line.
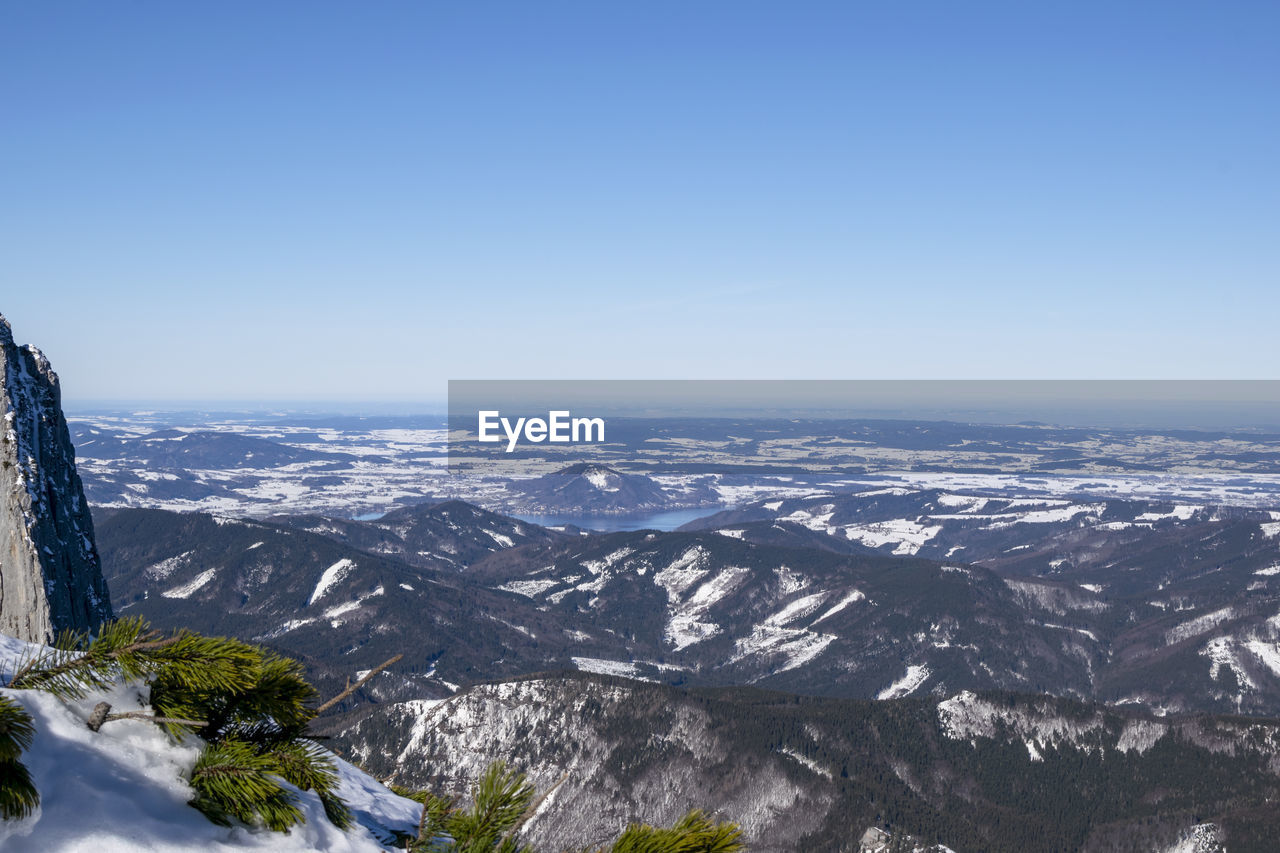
x=123 y=789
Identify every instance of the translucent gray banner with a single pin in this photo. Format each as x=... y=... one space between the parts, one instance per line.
x=514 y=428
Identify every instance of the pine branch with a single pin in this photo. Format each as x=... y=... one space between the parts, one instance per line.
x=533 y=808
x=77 y=664
x=102 y=714
x=354 y=687
x=18 y=795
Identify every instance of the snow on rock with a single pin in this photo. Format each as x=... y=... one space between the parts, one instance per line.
x=683 y=572
x=789 y=580
x=1221 y=652
x=966 y=716
x=685 y=625
x=915 y=676
x=161 y=570
x=329 y=577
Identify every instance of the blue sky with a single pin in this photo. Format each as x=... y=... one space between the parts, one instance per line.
x=319 y=201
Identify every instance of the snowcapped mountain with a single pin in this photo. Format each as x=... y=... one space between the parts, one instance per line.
x=749 y=602
x=976 y=771
x=715 y=609
x=1183 y=599
x=336 y=608
x=587 y=488
x=449 y=536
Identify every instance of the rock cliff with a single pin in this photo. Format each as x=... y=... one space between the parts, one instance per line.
x=50 y=575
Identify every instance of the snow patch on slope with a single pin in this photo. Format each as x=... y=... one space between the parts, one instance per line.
x=329 y=577
x=909 y=683
x=191 y=586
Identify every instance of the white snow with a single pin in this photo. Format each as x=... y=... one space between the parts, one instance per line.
x=856 y=595
x=797 y=609
x=329 y=577
x=501 y=539
x=1201 y=838
x=969 y=502
x=191 y=586
x=683 y=572
x=1269 y=570
x=789 y=580
x=161 y=570
x=908 y=536
x=123 y=790
x=1085 y=632
x=530 y=588
x=598 y=479
x=796 y=646
x=1182 y=512
x=686 y=624
x=600 y=666
x=1199 y=625
x=915 y=676
x=806 y=762
x=1220 y=653
x=1266 y=652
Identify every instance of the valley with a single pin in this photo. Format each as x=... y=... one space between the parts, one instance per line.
x=873 y=639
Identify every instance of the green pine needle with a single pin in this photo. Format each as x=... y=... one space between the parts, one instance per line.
x=18 y=795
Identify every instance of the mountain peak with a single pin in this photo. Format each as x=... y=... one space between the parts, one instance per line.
x=50 y=574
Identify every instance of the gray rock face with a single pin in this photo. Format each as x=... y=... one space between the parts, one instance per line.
x=50 y=575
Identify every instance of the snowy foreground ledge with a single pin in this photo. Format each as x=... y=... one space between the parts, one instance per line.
x=123 y=789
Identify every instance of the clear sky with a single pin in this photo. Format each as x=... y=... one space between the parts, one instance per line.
x=245 y=200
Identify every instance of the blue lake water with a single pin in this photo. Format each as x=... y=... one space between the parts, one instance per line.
x=669 y=520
